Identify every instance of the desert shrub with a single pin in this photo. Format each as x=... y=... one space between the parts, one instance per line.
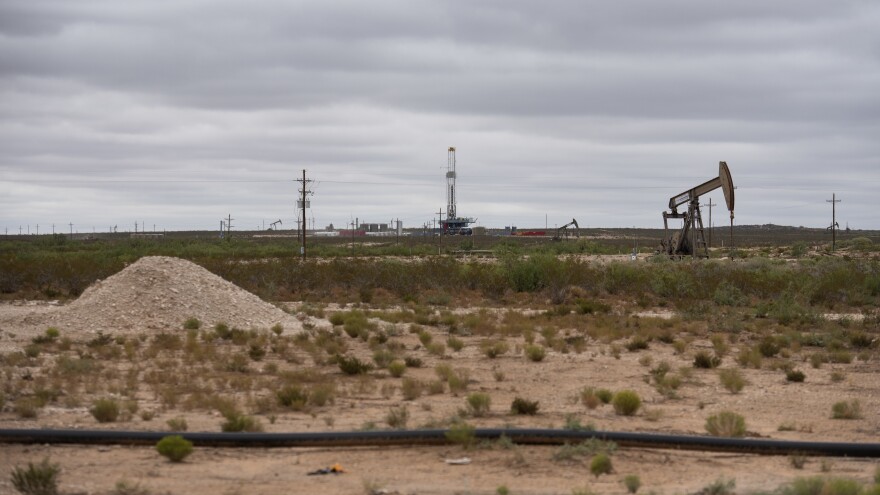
x=37 y=479
x=32 y=350
x=719 y=487
x=397 y=417
x=839 y=357
x=750 y=358
x=50 y=335
x=817 y=485
x=524 y=406
x=436 y=348
x=351 y=365
x=589 y=447
x=861 y=340
x=604 y=395
x=846 y=410
x=589 y=398
x=535 y=353
x=293 y=396
x=222 y=330
x=413 y=362
x=574 y=424
x=174 y=447
x=457 y=380
x=256 y=351
x=726 y=424
x=192 y=324
x=105 y=410
x=637 y=343
x=703 y=359
x=177 y=424
x=321 y=394
x=601 y=464
x=793 y=375
x=236 y=421
x=397 y=368
x=356 y=324
x=494 y=348
x=125 y=487
x=455 y=343
x=727 y=294
x=26 y=407
x=797 y=461
x=411 y=389
x=478 y=404
x=632 y=483
x=626 y=402
x=732 y=380
x=337 y=319
x=588 y=307
x=436 y=387
x=461 y=433
x=383 y=357
x=425 y=337
x=768 y=347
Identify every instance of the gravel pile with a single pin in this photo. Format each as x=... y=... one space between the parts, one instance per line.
x=158 y=293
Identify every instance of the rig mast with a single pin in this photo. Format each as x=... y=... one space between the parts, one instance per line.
x=450 y=183
x=453 y=225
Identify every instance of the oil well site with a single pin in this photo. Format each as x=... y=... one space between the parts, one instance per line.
x=446 y=360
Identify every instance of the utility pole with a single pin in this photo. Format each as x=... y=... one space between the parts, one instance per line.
x=440 y=237
x=834 y=225
x=304 y=204
x=229 y=220
x=710 y=205
x=71 y=230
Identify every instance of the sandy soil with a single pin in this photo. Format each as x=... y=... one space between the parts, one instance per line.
x=768 y=402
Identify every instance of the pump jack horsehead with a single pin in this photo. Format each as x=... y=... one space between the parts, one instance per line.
x=691 y=240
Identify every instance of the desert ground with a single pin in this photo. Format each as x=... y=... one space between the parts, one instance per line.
x=170 y=343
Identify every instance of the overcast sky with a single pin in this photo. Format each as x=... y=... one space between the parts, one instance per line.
x=178 y=112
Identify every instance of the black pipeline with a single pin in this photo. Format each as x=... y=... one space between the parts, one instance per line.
x=438 y=437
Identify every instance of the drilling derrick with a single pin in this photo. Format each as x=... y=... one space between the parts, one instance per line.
x=450 y=183
x=453 y=225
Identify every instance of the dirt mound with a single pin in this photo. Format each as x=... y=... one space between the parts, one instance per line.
x=160 y=293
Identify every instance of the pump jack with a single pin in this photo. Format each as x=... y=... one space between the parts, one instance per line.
x=563 y=233
x=691 y=240
x=272 y=226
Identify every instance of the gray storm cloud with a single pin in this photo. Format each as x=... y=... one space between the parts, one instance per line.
x=178 y=113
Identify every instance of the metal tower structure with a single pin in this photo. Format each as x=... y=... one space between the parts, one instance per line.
x=453 y=225
x=450 y=183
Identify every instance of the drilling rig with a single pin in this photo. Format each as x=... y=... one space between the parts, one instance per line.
x=453 y=225
x=691 y=239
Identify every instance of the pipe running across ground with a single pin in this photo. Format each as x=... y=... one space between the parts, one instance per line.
x=438 y=437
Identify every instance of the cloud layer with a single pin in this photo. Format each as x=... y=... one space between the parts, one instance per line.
x=179 y=113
